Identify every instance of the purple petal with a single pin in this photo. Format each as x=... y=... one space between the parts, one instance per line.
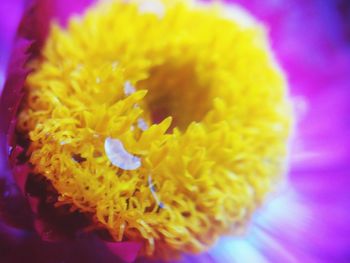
x=127 y=251
x=12 y=92
x=10 y=14
x=41 y=13
x=18 y=247
x=305 y=35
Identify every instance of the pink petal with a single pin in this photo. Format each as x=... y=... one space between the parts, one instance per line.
x=127 y=251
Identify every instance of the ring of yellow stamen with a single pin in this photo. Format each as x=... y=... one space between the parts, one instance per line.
x=189 y=92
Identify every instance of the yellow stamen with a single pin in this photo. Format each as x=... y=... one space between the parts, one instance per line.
x=188 y=95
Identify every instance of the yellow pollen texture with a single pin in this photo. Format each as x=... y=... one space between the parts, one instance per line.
x=167 y=122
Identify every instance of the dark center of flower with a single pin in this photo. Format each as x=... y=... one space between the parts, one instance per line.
x=176 y=90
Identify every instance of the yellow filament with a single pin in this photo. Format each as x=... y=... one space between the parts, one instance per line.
x=215 y=108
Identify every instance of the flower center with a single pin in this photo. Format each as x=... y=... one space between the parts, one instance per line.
x=176 y=91
x=169 y=130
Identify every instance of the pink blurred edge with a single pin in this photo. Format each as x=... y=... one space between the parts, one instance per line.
x=127 y=251
x=30 y=38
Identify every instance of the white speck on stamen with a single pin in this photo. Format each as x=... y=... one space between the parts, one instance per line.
x=154 y=194
x=119 y=157
x=128 y=88
x=142 y=124
x=56 y=99
x=152 y=7
x=78 y=68
x=98 y=80
x=115 y=65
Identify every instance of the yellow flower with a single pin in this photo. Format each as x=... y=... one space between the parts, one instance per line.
x=166 y=122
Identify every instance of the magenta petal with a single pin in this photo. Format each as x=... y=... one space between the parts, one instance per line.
x=34 y=203
x=21 y=174
x=19 y=247
x=12 y=92
x=127 y=251
x=63 y=9
x=14 y=210
x=10 y=14
x=44 y=232
x=41 y=13
x=20 y=171
x=306 y=38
